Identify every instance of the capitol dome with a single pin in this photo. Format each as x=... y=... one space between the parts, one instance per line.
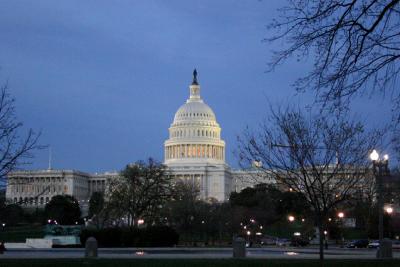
x=194 y=135
x=194 y=110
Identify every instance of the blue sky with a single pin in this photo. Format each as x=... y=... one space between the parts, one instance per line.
x=102 y=80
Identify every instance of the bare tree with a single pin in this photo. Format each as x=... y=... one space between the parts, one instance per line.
x=141 y=190
x=15 y=150
x=355 y=46
x=324 y=159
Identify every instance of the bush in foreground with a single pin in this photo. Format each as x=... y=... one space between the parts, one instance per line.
x=154 y=236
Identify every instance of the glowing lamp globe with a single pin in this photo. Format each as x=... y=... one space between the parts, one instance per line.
x=374 y=155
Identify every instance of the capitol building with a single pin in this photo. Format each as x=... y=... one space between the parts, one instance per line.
x=193 y=152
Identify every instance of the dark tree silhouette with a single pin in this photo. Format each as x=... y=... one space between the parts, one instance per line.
x=354 y=45
x=324 y=159
x=64 y=209
x=15 y=150
x=141 y=190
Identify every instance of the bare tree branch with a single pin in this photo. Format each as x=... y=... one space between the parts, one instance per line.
x=15 y=150
x=323 y=158
x=355 y=46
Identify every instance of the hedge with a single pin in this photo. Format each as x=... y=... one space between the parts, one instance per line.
x=154 y=236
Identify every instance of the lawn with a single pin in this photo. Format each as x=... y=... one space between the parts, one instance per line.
x=20 y=233
x=191 y=263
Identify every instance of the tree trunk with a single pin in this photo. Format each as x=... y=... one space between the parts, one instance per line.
x=321 y=240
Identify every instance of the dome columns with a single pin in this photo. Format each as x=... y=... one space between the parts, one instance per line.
x=190 y=151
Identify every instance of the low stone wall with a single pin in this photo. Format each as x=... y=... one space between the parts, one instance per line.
x=39 y=243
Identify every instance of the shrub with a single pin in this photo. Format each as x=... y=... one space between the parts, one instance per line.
x=154 y=236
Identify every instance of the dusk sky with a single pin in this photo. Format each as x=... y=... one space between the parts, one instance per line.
x=102 y=80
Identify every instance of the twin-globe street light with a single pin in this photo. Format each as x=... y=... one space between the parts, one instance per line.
x=381 y=169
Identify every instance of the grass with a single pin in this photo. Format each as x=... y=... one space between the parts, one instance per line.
x=20 y=233
x=191 y=263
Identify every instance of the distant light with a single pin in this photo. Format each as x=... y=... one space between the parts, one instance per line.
x=248 y=233
x=291 y=218
x=258 y=233
x=3 y=224
x=325 y=232
x=374 y=155
x=389 y=210
x=303 y=220
x=340 y=214
x=140 y=221
x=330 y=219
x=252 y=220
x=202 y=222
x=244 y=227
x=297 y=234
x=386 y=157
x=261 y=227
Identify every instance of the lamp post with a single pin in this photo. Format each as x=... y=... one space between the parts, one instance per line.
x=380 y=169
x=341 y=216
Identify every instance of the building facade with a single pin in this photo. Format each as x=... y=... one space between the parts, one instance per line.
x=36 y=188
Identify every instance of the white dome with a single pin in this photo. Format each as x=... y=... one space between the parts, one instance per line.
x=194 y=135
x=194 y=111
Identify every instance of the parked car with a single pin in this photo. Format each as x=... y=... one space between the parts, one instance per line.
x=314 y=241
x=299 y=242
x=396 y=244
x=361 y=243
x=283 y=242
x=373 y=244
x=268 y=240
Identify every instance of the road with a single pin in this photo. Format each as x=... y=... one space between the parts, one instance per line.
x=267 y=253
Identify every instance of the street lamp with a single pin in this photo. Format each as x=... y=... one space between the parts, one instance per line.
x=341 y=216
x=389 y=210
x=380 y=168
x=248 y=237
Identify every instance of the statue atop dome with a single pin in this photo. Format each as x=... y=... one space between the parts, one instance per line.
x=195 y=77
